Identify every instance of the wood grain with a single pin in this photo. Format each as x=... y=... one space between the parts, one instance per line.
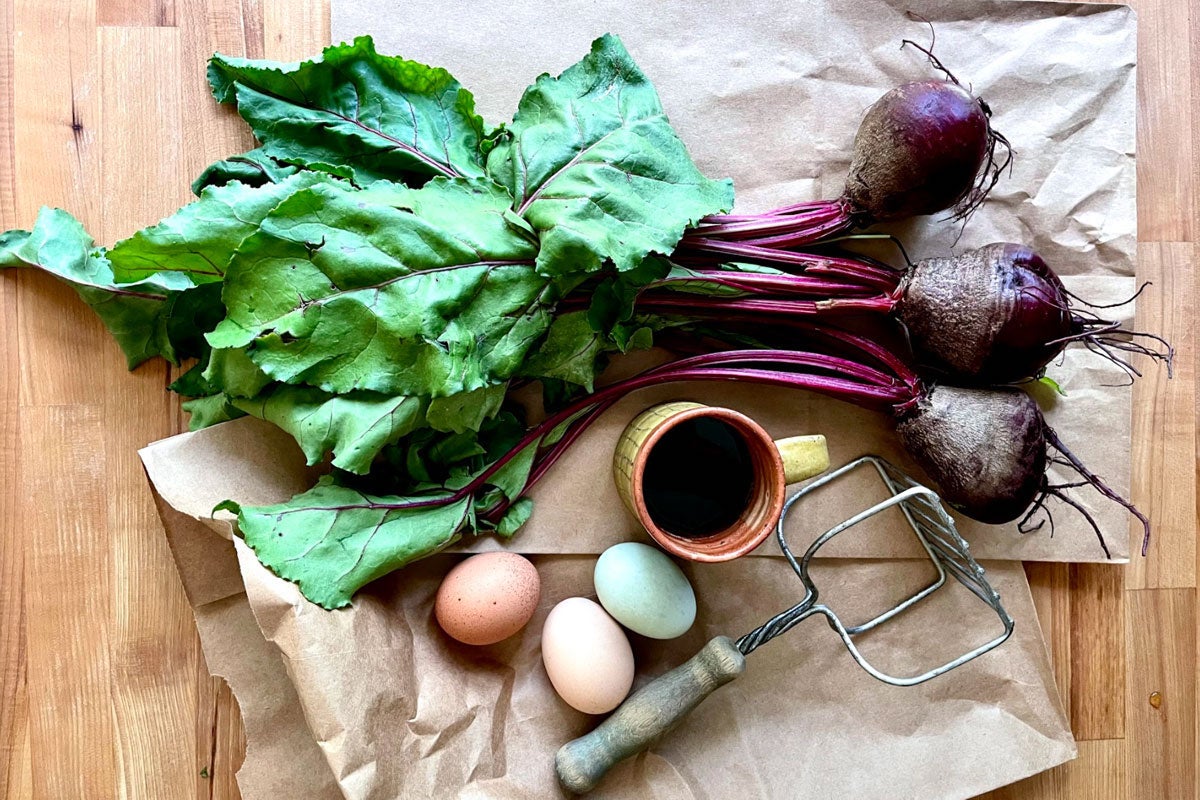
x=67 y=668
x=294 y=30
x=230 y=740
x=13 y=697
x=14 y=704
x=64 y=350
x=1161 y=734
x=150 y=13
x=1050 y=585
x=153 y=643
x=105 y=111
x=1096 y=701
x=1166 y=189
x=231 y=27
x=1164 y=484
x=8 y=166
x=69 y=599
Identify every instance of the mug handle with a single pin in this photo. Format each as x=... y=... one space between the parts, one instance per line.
x=803 y=457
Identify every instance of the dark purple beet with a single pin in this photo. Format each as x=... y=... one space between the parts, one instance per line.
x=984 y=448
x=919 y=150
x=996 y=314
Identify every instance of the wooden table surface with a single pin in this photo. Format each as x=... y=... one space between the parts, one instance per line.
x=104 y=110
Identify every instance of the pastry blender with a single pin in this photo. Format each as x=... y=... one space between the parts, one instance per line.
x=659 y=706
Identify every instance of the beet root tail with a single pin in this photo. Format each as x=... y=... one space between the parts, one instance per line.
x=1068 y=459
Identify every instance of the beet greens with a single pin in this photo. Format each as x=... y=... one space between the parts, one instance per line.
x=986 y=450
x=379 y=273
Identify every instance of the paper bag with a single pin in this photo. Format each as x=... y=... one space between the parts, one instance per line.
x=771 y=93
x=400 y=710
x=234 y=647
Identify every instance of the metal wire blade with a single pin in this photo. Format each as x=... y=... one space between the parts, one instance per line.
x=933 y=527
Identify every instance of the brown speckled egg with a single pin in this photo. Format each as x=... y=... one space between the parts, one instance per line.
x=488 y=597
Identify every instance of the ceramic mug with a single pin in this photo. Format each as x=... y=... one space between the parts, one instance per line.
x=774 y=465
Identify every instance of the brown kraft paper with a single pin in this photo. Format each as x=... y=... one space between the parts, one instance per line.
x=770 y=94
x=399 y=710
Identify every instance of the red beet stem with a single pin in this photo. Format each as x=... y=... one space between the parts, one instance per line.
x=994 y=315
x=817 y=217
x=802 y=285
x=772 y=309
x=870 y=274
x=833 y=364
x=706 y=367
x=794 y=208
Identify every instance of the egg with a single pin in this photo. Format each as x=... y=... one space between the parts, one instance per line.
x=644 y=590
x=587 y=656
x=488 y=597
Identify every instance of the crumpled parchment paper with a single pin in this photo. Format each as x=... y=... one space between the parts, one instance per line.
x=399 y=710
x=769 y=93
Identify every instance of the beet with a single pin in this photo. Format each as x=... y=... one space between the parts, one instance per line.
x=923 y=147
x=996 y=314
x=984 y=449
x=919 y=150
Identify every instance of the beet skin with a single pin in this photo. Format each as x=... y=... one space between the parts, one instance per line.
x=984 y=448
x=919 y=150
x=994 y=315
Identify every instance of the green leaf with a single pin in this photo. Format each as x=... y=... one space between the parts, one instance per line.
x=199 y=239
x=453 y=455
x=207 y=411
x=348 y=530
x=569 y=352
x=1046 y=380
x=596 y=168
x=356 y=113
x=231 y=371
x=253 y=168
x=634 y=337
x=333 y=540
x=472 y=450
x=355 y=427
x=614 y=298
x=135 y=313
x=221 y=371
x=512 y=477
x=193 y=383
x=466 y=411
x=430 y=294
x=227 y=505
x=190 y=315
x=516 y=516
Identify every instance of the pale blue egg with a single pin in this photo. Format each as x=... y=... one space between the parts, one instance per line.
x=643 y=589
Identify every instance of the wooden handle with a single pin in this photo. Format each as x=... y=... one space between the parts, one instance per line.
x=648 y=714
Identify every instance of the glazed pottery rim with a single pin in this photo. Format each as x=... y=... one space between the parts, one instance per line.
x=761 y=514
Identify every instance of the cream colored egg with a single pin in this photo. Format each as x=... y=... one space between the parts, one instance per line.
x=488 y=597
x=587 y=656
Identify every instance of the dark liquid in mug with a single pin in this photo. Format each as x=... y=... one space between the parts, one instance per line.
x=698 y=478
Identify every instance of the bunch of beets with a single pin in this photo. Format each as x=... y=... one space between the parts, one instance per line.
x=381 y=273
